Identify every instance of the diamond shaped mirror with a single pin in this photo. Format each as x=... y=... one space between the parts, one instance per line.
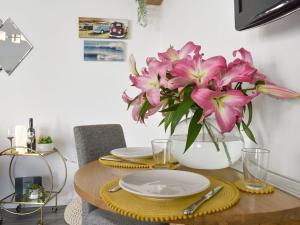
x=14 y=46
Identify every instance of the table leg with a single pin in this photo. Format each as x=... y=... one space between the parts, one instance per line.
x=1 y=215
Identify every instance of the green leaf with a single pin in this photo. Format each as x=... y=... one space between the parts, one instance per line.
x=194 y=129
x=182 y=109
x=238 y=126
x=249 y=105
x=161 y=122
x=168 y=119
x=171 y=108
x=248 y=132
x=145 y=107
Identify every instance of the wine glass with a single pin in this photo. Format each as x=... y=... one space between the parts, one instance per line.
x=10 y=137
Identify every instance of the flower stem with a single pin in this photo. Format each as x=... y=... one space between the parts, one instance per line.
x=212 y=137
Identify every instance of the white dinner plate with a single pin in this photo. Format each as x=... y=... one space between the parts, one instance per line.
x=164 y=184
x=132 y=152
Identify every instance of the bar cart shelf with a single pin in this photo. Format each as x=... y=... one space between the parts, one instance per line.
x=37 y=205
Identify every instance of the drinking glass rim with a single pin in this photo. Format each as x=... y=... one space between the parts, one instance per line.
x=256 y=150
x=161 y=140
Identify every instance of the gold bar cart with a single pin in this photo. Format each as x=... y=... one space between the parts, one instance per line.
x=50 y=194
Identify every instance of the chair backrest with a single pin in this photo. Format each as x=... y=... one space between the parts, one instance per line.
x=93 y=141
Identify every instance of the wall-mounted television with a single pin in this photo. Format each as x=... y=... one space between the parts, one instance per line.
x=252 y=13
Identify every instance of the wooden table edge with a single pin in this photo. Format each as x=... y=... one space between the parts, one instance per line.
x=275 y=216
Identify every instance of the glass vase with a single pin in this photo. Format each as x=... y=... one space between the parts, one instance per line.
x=203 y=154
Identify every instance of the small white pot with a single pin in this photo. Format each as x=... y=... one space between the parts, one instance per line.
x=45 y=147
x=34 y=195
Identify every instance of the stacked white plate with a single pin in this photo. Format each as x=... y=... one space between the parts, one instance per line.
x=132 y=152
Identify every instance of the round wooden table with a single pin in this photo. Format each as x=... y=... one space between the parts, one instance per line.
x=278 y=208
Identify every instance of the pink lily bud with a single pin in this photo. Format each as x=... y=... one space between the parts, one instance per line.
x=133 y=66
x=277 y=92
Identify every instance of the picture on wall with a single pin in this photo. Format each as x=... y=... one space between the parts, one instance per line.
x=104 y=51
x=103 y=28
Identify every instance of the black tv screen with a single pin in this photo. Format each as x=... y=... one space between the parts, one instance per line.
x=252 y=13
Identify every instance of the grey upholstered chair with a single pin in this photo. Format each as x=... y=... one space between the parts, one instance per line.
x=93 y=141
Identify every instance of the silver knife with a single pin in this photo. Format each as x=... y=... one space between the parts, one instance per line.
x=192 y=208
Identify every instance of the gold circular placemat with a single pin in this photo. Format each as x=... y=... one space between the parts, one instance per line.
x=133 y=163
x=240 y=184
x=153 y=210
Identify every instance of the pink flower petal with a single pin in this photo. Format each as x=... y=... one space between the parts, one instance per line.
x=126 y=98
x=211 y=68
x=187 y=49
x=259 y=76
x=236 y=98
x=238 y=72
x=226 y=118
x=153 y=96
x=160 y=68
x=203 y=98
x=246 y=55
x=133 y=79
x=170 y=55
x=178 y=82
x=147 y=82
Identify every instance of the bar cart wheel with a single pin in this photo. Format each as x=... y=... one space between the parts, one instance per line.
x=54 y=209
x=40 y=223
x=19 y=208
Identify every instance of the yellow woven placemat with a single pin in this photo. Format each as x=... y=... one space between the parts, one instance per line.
x=240 y=184
x=153 y=210
x=134 y=163
x=144 y=163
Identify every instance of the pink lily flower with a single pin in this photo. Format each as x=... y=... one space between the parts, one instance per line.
x=227 y=106
x=238 y=71
x=277 y=91
x=172 y=55
x=161 y=68
x=197 y=71
x=150 y=85
x=137 y=104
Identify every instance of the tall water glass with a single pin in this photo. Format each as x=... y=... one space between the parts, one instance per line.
x=255 y=167
x=161 y=149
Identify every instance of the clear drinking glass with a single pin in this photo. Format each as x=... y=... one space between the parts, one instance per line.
x=161 y=149
x=255 y=167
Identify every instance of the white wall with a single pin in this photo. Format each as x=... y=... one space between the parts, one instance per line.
x=275 y=49
x=58 y=89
